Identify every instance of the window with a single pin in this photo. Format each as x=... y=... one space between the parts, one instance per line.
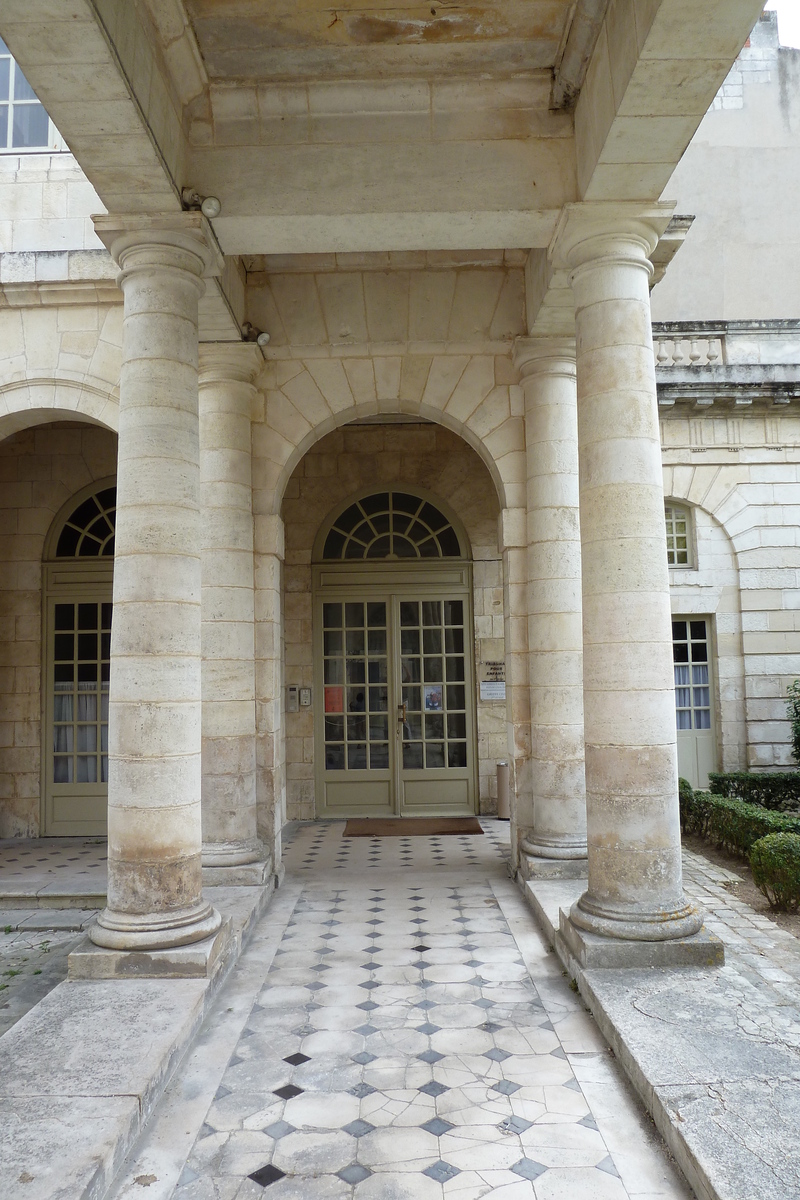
x=24 y=124
x=78 y=575
x=88 y=532
x=391 y=525
x=678 y=522
x=692 y=683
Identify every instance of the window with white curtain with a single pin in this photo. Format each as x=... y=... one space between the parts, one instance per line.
x=24 y=123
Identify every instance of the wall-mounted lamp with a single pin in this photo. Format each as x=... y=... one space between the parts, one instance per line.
x=251 y=334
x=209 y=206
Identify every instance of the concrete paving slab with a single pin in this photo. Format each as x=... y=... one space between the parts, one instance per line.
x=63 y=1147
x=714 y=1055
x=57 y=918
x=83 y=1070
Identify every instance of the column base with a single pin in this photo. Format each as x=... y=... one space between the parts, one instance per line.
x=231 y=854
x=535 y=866
x=251 y=874
x=541 y=848
x=155 y=931
x=630 y=925
x=593 y=950
x=199 y=960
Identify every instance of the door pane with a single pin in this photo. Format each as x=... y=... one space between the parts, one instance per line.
x=435 y=729
x=354 y=660
x=79 y=700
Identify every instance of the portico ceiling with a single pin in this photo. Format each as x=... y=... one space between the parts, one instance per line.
x=372 y=125
x=247 y=39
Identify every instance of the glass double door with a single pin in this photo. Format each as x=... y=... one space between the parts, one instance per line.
x=395 y=733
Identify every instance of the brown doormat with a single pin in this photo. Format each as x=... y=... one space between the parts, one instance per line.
x=411 y=826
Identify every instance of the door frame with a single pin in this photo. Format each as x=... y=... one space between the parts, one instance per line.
x=381 y=580
x=686 y=736
x=69 y=580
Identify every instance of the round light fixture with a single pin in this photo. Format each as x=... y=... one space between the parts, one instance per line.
x=263 y=339
x=211 y=207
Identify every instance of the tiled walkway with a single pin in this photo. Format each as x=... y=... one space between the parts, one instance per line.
x=411 y=1038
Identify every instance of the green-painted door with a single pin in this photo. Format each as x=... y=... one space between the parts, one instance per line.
x=395 y=729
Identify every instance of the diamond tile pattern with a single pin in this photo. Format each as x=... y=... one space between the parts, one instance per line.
x=396 y=1098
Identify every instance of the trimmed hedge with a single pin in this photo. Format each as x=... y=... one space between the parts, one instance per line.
x=777 y=791
x=732 y=824
x=775 y=861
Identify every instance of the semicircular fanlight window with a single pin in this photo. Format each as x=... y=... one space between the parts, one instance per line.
x=391 y=525
x=88 y=531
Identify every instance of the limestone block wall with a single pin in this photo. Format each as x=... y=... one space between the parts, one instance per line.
x=711 y=589
x=58 y=357
x=742 y=473
x=46 y=203
x=40 y=469
x=345 y=461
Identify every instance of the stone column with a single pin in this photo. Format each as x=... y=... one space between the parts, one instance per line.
x=513 y=540
x=271 y=798
x=556 y=826
x=635 y=887
x=155 y=898
x=232 y=851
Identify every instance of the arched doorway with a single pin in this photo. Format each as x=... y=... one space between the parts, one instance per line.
x=393 y=659
x=78 y=576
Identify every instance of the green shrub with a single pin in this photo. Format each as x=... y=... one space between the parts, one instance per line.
x=731 y=824
x=775 y=861
x=793 y=713
x=692 y=807
x=778 y=791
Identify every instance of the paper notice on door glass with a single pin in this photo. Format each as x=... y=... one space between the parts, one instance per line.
x=433 y=697
x=334 y=699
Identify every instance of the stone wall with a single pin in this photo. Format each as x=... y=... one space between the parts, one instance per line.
x=359 y=457
x=40 y=469
x=742 y=473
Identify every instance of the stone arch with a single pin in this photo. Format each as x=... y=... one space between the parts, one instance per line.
x=39 y=400
x=306 y=399
x=712 y=586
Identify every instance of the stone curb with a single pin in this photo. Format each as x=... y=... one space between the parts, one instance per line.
x=74 y=1095
x=705 y=1078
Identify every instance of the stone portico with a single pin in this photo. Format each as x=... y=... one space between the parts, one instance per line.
x=438 y=222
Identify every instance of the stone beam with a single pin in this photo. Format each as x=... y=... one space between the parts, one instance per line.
x=654 y=71
x=93 y=66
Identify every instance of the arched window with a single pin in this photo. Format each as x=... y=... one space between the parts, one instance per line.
x=391 y=525
x=679 y=535
x=88 y=531
x=78 y=573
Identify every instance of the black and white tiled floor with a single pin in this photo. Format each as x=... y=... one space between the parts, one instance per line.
x=413 y=1040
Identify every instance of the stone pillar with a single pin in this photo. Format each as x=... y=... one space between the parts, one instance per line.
x=512 y=539
x=635 y=887
x=271 y=794
x=232 y=851
x=155 y=898
x=556 y=826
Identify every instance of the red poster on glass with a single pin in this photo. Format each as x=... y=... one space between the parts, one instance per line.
x=334 y=699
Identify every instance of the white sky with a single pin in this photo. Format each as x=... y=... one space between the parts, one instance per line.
x=788 y=20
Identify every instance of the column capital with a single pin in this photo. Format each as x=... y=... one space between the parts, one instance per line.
x=545 y=356
x=606 y=230
x=236 y=362
x=179 y=241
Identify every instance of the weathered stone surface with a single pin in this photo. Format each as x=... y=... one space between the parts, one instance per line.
x=198 y=960
x=63 y=1147
x=596 y=950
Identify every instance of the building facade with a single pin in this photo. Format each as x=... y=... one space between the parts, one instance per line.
x=419 y=528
